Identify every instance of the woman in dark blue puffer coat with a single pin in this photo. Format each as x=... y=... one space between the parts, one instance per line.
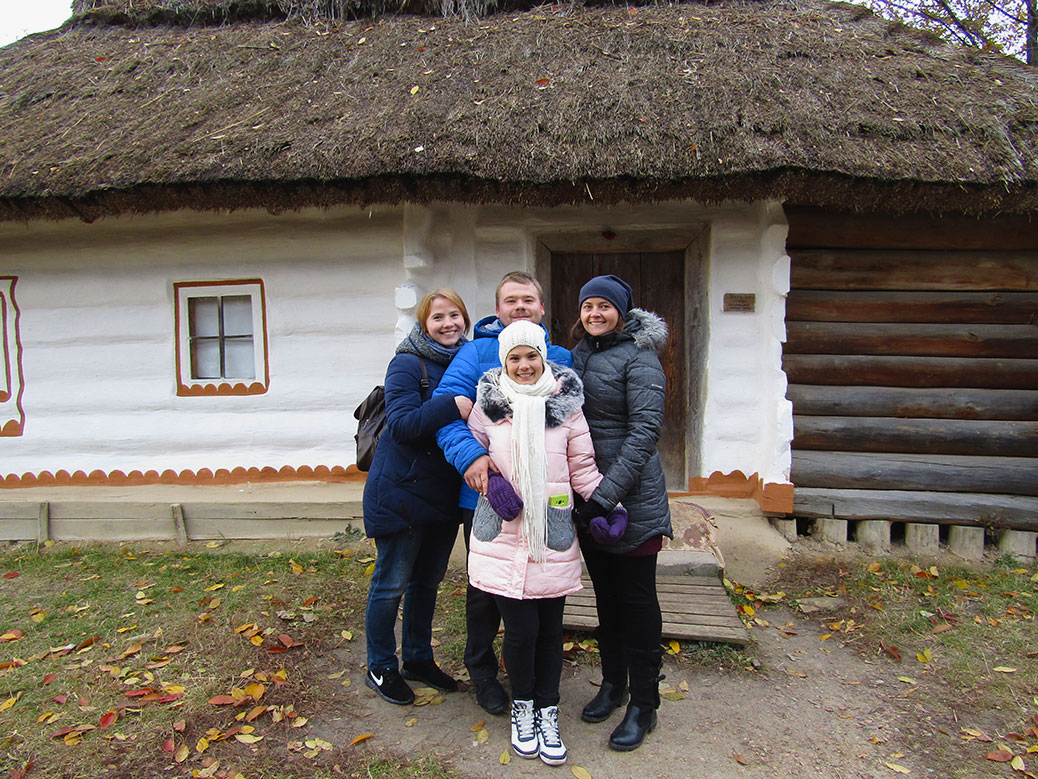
x=411 y=501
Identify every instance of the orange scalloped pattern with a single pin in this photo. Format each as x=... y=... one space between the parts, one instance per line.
x=204 y=476
x=199 y=390
x=772 y=497
x=12 y=428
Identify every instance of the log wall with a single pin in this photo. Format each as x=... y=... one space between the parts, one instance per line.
x=912 y=360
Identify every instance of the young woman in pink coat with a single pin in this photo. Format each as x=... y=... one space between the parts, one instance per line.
x=523 y=548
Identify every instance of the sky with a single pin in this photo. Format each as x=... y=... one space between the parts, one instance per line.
x=21 y=17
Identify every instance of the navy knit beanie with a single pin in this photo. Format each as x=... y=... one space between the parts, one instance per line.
x=612 y=288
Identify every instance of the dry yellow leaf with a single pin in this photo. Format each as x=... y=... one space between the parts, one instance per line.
x=478 y=726
x=212 y=587
x=10 y=702
x=483 y=736
x=247 y=738
x=580 y=772
x=358 y=739
x=506 y=758
x=202 y=745
x=181 y=754
x=411 y=722
x=369 y=570
x=899 y=768
x=215 y=603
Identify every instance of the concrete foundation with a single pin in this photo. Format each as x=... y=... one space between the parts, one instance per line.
x=922 y=539
x=832 y=530
x=1017 y=543
x=966 y=542
x=873 y=534
x=787 y=528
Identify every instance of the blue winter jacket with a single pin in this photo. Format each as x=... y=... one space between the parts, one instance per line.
x=473 y=360
x=410 y=483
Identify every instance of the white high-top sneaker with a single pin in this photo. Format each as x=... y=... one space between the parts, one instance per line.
x=524 y=729
x=553 y=751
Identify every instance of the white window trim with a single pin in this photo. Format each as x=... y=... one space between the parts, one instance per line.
x=183 y=292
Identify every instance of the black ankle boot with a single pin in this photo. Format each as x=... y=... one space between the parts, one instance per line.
x=610 y=696
x=630 y=733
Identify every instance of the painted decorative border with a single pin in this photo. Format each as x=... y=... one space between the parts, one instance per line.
x=10 y=334
x=772 y=497
x=200 y=389
x=203 y=476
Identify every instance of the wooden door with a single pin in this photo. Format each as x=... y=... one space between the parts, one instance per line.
x=658 y=281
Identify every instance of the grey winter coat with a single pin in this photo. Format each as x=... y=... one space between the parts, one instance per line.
x=623 y=401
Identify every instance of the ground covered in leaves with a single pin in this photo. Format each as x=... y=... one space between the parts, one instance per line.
x=205 y=661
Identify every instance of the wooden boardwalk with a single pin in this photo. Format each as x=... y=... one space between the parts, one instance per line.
x=695 y=608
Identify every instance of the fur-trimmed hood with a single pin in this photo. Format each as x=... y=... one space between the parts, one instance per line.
x=559 y=406
x=648 y=330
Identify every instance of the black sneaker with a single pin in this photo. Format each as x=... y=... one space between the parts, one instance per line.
x=428 y=672
x=490 y=695
x=389 y=686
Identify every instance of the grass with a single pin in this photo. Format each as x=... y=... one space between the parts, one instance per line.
x=112 y=660
x=971 y=630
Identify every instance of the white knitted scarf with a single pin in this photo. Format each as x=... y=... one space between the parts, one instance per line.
x=529 y=456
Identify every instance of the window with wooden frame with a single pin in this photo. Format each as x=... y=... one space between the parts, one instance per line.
x=221 y=329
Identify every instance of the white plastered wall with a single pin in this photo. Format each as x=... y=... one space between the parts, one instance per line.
x=746 y=419
x=97 y=338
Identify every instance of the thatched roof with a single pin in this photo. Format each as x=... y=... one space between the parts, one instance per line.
x=165 y=104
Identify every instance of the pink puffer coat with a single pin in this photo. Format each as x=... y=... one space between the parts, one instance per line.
x=501 y=565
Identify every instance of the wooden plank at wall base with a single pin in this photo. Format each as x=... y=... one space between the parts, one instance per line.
x=1000 y=511
x=920 y=436
x=885 y=371
x=996 y=308
x=929 y=402
x=43 y=523
x=914 y=269
x=912 y=339
x=179 y=526
x=939 y=473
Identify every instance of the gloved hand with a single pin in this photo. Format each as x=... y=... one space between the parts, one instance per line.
x=585 y=511
x=610 y=529
x=502 y=496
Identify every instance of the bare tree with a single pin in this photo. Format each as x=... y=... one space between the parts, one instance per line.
x=1008 y=26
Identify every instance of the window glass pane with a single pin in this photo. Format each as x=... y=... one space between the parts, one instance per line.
x=238 y=356
x=205 y=358
x=237 y=315
x=203 y=316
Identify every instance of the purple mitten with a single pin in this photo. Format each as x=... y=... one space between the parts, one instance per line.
x=609 y=530
x=502 y=497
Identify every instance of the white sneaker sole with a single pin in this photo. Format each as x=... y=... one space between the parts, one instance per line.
x=553 y=760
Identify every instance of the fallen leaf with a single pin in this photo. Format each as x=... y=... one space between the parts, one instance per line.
x=1017 y=763
x=898 y=768
x=18 y=773
x=907 y=680
x=361 y=737
x=1003 y=669
x=411 y=722
x=478 y=726
x=505 y=758
x=179 y=725
x=181 y=754
x=580 y=772
x=925 y=656
x=1000 y=756
x=247 y=738
x=109 y=719
x=739 y=759
x=483 y=736
x=202 y=745
x=10 y=702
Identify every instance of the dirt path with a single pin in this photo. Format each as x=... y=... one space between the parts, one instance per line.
x=807 y=712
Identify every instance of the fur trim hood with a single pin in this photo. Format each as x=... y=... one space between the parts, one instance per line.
x=559 y=406
x=648 y=330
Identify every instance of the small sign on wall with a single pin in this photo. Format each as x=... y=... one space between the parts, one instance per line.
x=740 y=301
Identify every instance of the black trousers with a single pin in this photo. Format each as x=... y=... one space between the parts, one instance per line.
x=482 y=620
x=629 y=621
x=533 y=648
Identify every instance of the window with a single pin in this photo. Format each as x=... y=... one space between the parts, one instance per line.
x=221 y=338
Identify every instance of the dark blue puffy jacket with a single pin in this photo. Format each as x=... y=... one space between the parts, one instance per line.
x=410 y=483
x=473 y=360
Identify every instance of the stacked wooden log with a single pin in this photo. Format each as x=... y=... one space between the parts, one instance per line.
x=912 y=360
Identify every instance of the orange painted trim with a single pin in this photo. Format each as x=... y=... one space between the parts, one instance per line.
x=13 y=374
x=772 y=497
x=201 y=477
x=226 y=388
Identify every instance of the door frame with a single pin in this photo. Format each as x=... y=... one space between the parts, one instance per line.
x=693 y=242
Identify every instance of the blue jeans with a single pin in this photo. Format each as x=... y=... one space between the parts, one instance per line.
x=410 y=565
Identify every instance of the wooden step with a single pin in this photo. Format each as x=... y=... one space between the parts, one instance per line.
x=695 y=608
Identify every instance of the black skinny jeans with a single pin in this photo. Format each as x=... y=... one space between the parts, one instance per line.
x=629 y=620
x=482 y=619
x=532 y=648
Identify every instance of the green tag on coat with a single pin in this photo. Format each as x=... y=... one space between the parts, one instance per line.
x=559 y=501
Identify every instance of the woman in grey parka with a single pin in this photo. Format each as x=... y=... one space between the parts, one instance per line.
x=623 y=402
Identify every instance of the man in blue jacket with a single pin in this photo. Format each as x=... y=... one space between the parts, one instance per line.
x=518 y=296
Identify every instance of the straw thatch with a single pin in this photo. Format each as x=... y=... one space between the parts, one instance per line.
x=127 y=110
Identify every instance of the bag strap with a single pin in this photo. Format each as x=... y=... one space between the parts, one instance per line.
x=424 y=383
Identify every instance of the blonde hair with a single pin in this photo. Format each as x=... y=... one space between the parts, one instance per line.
x=518 y=277
x=422 y=312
